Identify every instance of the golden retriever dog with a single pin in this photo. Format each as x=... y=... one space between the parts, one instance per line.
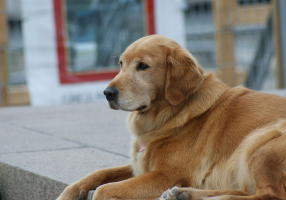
x=193 y=136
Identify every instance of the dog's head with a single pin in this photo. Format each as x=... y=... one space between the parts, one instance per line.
x=151 y=69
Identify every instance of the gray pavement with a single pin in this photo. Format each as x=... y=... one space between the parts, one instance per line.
x=43 y=149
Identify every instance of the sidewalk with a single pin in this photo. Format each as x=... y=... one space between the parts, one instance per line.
x=43 y=149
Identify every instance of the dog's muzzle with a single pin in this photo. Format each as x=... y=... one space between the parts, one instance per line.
x=110 y=93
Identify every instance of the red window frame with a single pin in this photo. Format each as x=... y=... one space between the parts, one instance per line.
x=67 y=77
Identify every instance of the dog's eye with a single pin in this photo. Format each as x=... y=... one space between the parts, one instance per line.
x=142 y=66
x=120 y=63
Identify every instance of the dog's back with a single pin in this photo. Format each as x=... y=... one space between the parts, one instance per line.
x=244 y=143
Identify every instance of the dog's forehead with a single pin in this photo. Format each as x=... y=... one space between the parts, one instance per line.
x=141 y=52
x=150 y=49
x=137 y=55
x=132 y=59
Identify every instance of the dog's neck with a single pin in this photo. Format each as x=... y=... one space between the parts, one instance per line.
x=161 y=115
x=203 y=99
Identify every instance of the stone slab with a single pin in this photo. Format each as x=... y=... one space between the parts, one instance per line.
x=17 y=184
x=65 y=166
x=15 y=139
x=94 y=125
x=43 y=149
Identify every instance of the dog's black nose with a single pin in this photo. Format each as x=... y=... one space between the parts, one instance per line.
x=110 y=93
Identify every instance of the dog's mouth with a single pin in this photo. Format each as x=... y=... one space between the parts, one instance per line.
x=114 y=106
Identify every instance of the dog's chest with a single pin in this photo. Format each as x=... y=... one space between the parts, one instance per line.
x=139 y=163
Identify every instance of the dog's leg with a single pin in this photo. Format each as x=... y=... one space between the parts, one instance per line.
x=80 y=188
x=189 y=193
x=146 y=186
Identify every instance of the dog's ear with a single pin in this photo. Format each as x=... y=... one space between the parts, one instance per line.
x=184 y=75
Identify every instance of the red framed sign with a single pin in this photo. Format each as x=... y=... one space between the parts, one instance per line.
x=91 y=36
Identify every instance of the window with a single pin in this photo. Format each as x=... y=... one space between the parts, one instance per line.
x=92 y=34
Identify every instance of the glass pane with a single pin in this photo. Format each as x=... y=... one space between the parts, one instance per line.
x=100 y=30
x=15 y=53
x=232 y=39
x=200 y=32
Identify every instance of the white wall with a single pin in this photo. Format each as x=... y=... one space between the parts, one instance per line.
x=169 y=20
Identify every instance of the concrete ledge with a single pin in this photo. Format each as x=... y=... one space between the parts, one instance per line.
x=17 y=183
x=43 y=149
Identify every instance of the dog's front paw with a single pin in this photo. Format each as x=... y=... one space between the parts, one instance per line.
x=102 y=193
x=175 y=193
x=72 y=192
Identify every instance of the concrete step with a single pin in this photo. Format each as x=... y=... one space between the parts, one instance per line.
x=43 y=149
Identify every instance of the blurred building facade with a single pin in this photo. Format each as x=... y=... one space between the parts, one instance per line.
x=66 y=51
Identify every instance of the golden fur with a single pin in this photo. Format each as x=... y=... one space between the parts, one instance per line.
x=209 y=140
